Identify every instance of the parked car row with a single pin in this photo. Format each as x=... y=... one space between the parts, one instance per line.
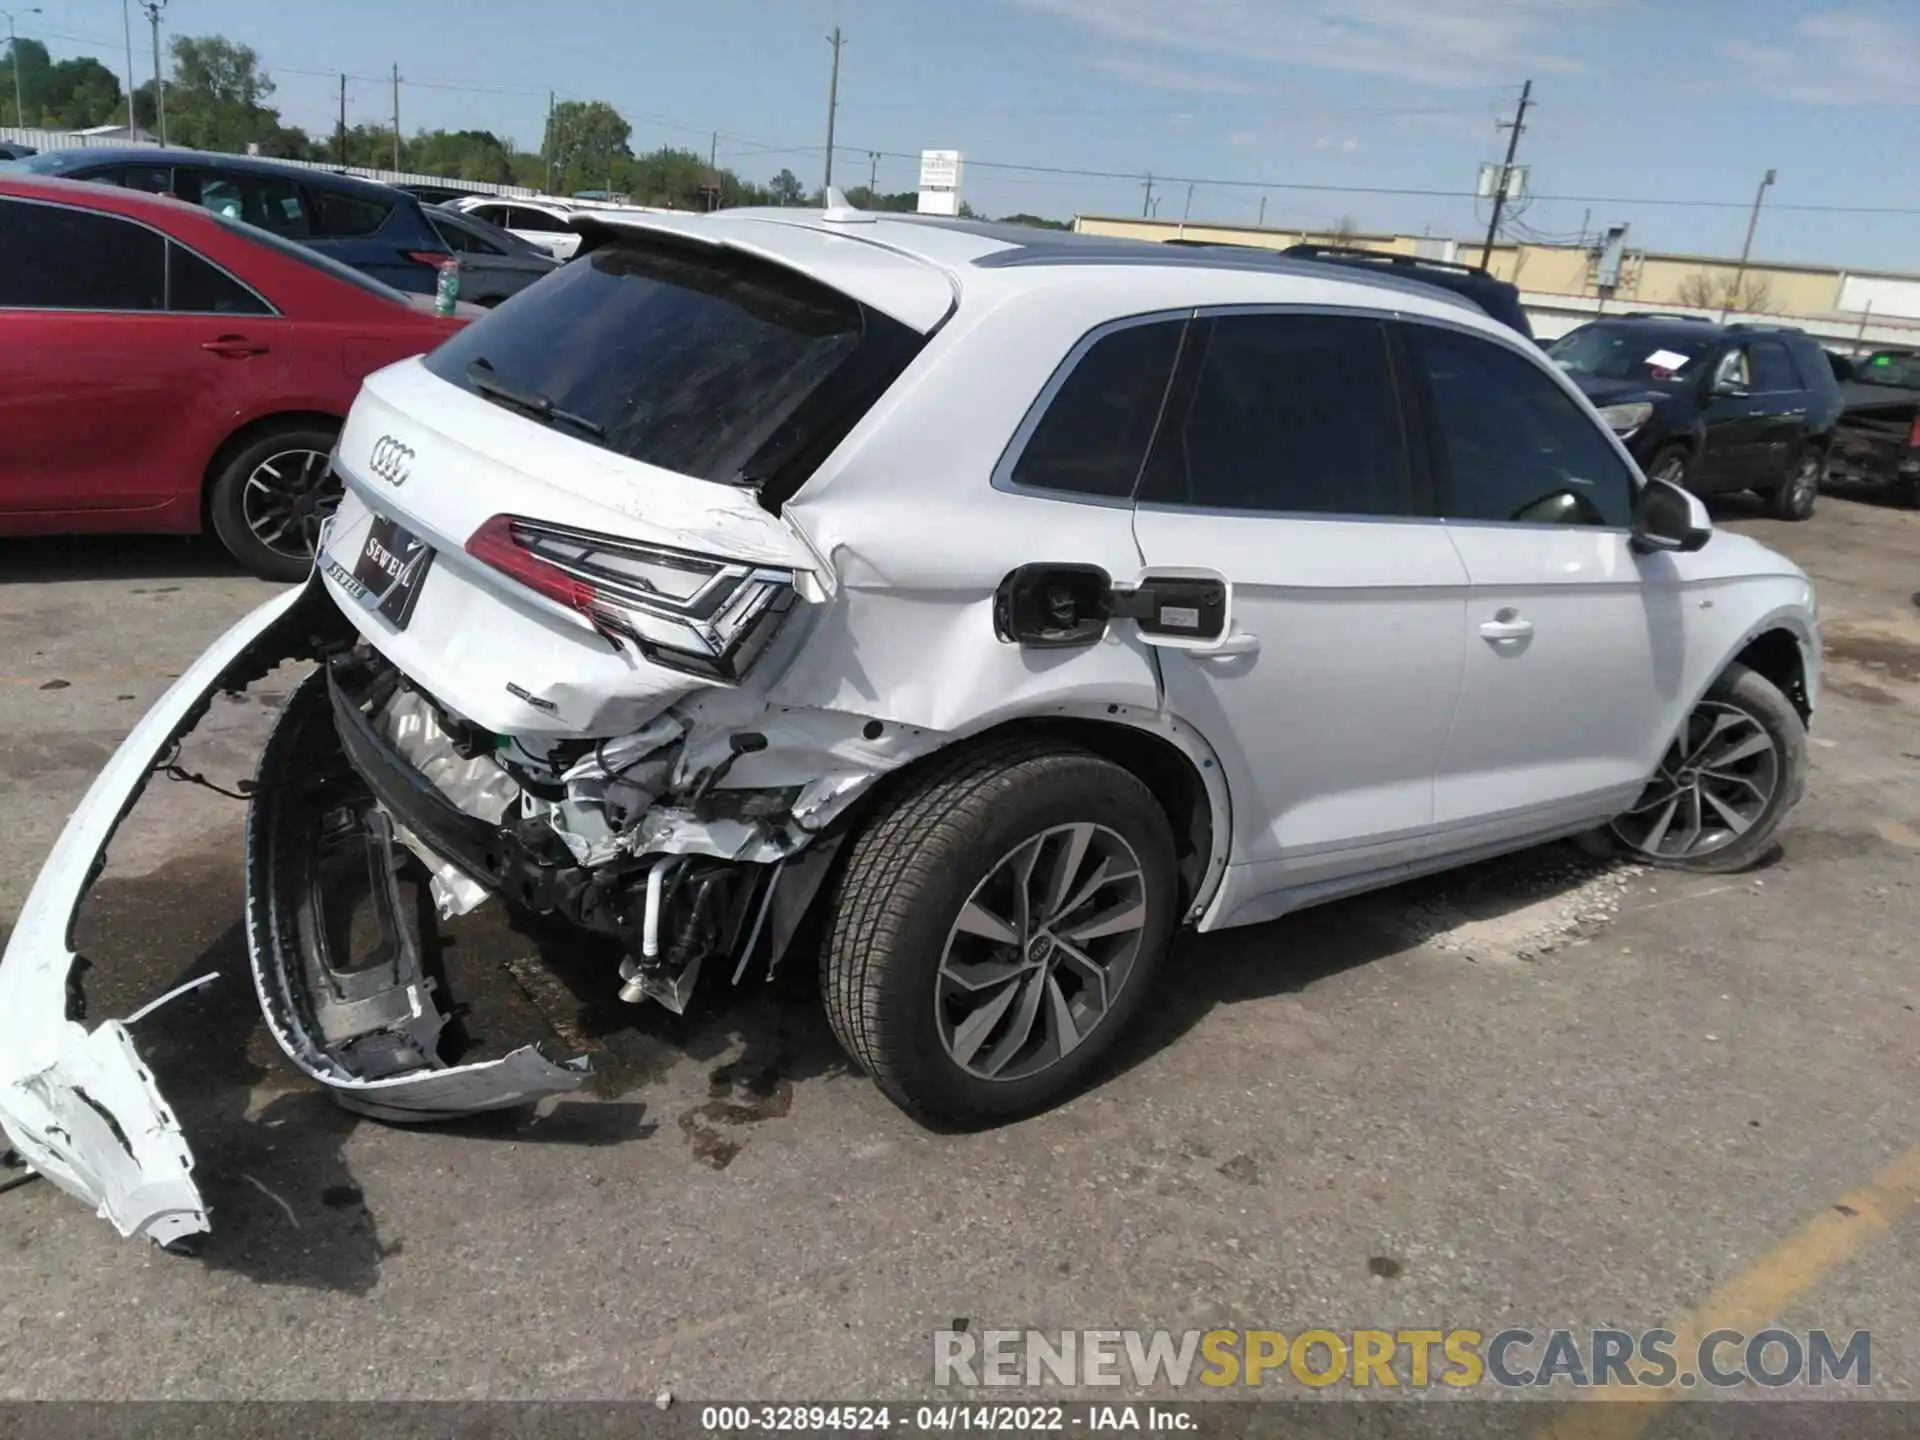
x=169 y=367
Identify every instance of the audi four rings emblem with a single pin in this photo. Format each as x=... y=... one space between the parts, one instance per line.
x=392 y=461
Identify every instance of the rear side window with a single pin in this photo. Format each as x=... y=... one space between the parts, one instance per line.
x=1290 y=413
x=195 y=286
x=461 y=239
x=348 y=217
x=1772 y=370
x=55 y=258
x=154 y=179
x=1093 y=438
x=1508 y=443
x=522 y=217
x=711 y=364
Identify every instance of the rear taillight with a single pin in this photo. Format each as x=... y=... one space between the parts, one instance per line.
x=1913 y=434
x=435 y=258
x=695 y=613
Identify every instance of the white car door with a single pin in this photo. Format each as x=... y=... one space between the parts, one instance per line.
x=546 y=228
x=1282 y=463
x=1576 y=669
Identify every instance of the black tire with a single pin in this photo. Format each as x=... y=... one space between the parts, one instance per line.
x=908 y=873
x=1670 y=463
x=309 y=494
x=1758 y=698
x=1795 y=498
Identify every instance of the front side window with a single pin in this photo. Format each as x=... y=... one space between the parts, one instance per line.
x=1093 y=438
x=1733 y=372
x=1509 y=444
x=1290 y=413
x=56 y=258
x=712 y=364
x=462 y=239
x=264 y=201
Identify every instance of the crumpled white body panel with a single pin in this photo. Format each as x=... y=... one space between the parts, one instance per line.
x=80 y=1106
x=58 y=1082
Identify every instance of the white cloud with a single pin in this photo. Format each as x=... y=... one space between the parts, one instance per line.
x=1447 y=43
x=1347 y=146
x=1841 y=57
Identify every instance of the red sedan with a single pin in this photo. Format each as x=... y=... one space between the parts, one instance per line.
x=163 y=368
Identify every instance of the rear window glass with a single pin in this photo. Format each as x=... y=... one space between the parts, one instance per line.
x=710 y=364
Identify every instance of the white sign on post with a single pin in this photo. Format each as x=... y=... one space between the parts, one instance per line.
x=939 y=182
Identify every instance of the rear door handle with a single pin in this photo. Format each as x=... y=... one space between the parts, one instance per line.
x=234 y=347
x=1507 y=625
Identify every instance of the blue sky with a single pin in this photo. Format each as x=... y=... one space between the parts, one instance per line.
x=1638 y=100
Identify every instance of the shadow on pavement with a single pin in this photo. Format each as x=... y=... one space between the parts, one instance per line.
x=115 y=557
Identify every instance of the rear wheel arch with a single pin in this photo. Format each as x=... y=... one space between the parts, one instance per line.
x=1176 y=766
x=244 y=436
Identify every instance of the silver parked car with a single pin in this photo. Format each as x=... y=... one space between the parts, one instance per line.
x=986 y=603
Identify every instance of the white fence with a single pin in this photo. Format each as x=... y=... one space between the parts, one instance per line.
x=73 y=140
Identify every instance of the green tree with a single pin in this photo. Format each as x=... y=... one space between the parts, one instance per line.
x=217 y=98
x=585 y=142
x=78 y=93
x=463 y=155
x=1039 y=222
x=786 y=189
x=30 y=57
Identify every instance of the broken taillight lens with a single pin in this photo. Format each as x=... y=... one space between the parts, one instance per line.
x=695 y=613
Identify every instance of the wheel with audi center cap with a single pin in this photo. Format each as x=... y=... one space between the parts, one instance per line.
x=1728 y=779
x=998 y=924
x=270 y=496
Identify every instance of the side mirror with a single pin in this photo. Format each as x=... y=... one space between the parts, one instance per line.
x=1667 y=517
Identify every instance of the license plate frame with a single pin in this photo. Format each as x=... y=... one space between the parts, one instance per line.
x=387 y=572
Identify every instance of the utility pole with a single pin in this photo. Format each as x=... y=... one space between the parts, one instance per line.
x=1262 y=221
x=396 y=116
x=153 y=9
x=1506 y=172
x=13 y=62
x=1146 y=205
x=833 y=106
x=551 y=144
x=1740 y=273
x=1184 y=214
x=126 y=24
x=340 y=145
x=873 y=173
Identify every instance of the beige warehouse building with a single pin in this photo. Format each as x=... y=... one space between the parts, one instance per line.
x=1559 y=282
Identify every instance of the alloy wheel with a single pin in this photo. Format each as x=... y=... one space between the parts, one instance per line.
x=1040 y=951
x=286 y=498
x=1806 y=483
x=1714 y=784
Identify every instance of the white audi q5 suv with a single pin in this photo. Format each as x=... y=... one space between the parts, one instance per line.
x=962 y=609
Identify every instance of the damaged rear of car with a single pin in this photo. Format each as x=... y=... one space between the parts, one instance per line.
x=660 y=603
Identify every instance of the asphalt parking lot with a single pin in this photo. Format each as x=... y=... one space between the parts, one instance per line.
x=1538 y=1093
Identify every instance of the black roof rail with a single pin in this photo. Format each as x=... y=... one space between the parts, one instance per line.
x=1657 y=315
x=1383 y=257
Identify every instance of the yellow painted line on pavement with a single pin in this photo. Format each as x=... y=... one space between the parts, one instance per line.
x=1756 y=1295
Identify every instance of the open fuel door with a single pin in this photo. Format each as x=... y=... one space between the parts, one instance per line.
x=1057 y=606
